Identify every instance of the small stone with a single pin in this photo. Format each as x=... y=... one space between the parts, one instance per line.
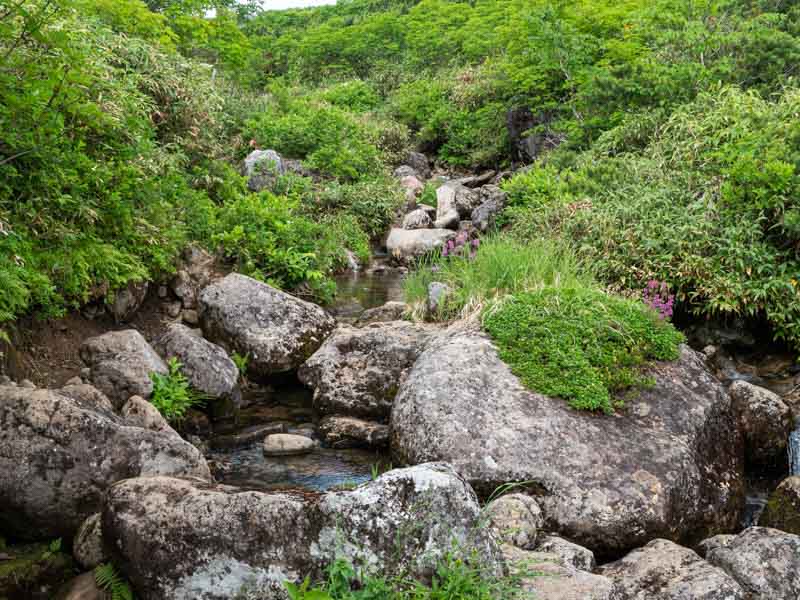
x=571 y=554
x=516 y=519
x=74 y=381
x=86 y=372
x=171 y=309
x=287 y=444
x=190 y=317
x=349 y=432
x=28 y=384
x=163 y=291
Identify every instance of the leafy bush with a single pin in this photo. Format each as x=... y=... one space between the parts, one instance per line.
x=355 y=95
x=579 y=343
x=172 y=394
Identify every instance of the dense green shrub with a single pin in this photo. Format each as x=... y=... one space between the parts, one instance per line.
x=172 y=394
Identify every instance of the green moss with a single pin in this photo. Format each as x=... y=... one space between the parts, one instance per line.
x=33 y=567
x=781 y=513
x=580 y=344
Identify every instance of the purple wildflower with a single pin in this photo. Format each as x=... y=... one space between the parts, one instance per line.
x=656 y=295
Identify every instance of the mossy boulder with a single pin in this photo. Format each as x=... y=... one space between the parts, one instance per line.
x=783 y=508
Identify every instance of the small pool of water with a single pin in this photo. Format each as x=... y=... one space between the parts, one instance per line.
x=361 y=290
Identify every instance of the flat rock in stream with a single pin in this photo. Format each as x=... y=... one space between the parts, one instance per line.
x=278 y=331
x=405 y=246
x=287 y=444
x=349 y=432
x=668 y=465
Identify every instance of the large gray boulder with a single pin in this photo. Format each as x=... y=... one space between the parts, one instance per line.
x=262 y=168
x=120 y=364
x=765 y=562
x=278 y=331
x=419 y=162
x=764 y=419
x=663 y=570
x=405 y=246
x=181 y=541
x=207 y=366
x=58 y=457
x=357 y=371
x=669 y=464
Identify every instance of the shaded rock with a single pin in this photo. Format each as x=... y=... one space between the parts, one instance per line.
x=196 y=272
x=262 y=168
x=82 y=587
x=764 y=419
x=59 y=457
x=277 y=330
x=138 y=412
x=447 y=216
x=357 y=372
x=120 y=364
x=718 y=541
x=419 y=162
x=190 y=317
x=181 y=541
x=765 y=562
x=391 y=311
x=663 y=570
x=297 y=167
x=405 y=246
x=570 y=554
x=493 y=201
x=87 y=547
x=128 y=300
x=476 y=181
x=406 y=171
x=207 y=366
x=783 y=508
x=33 y=571
x=516 y=519
x=545 y=577
x=670 y=464
x=528 y=145
x=287 y=444
x=349 y=432
x=417 y=219
x=246 y=436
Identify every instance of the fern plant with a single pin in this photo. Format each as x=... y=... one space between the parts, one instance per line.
x=172 y=394
x=110 y=581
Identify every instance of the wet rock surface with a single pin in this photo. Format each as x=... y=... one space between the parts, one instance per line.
x=349 y=432
x=287 y=444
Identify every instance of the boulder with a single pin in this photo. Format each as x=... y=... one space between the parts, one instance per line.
x=357 y=372
x=82 y=587
x=663 y=570
x=764 y=419
x=544 y=577
x=466 y=200
x=765 y=562
x=516 y=519
x=391 y=311
x=287 y=444
x=718 y=541
x=197 y=270
x=128 y=300
x=179 y=540
x=413 y=188
x=349 y=432
x=138 y=412
x=493 y=200
x=405 y=245
x=406 y=171
x=277 y=330
x=447 y=216
x=120 y=364
x=262 y=168
x=59 y=457
x=87 y=396
x=419 y=162
x=570 y=554
x=88 y=547
x=207 y=366
x=417 y=219
x=669 y=464
x=783 y=507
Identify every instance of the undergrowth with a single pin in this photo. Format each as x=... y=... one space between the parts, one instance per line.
x=172 y=394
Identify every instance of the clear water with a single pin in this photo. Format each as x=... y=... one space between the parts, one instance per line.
x=359 y=291
x=794 y=450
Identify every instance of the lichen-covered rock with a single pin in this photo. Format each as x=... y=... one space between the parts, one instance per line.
x=663 y=570
x=570 y=554
x=59 y=457
x=493 y=200
x=669 y=464
x=413 y=187
x=765 y=562
x=447 y=216
x=783 y=507
x=207 y=366
x=764 y=419
x=391 y=311
x=545 y=577
x=196 y=271
x=348 y=432
x=180 y=541
x=516 y=519
x=87 y=395
x=138 y=412
x=88 y=547
x=120 y=364
x=357 y=372
x=406 y=245
x=419 y=162
x=278 y=331
x=262 y=168
x=417 y=219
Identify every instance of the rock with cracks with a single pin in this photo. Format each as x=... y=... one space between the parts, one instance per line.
x=180 y=541
x=277 y=331
x=668 y=465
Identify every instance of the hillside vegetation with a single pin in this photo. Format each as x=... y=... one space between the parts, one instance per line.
x=671 y=128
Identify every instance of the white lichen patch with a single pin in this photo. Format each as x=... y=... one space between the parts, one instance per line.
x=225 y=577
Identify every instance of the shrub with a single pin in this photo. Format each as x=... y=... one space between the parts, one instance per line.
x=579 y=343
x=172 y=394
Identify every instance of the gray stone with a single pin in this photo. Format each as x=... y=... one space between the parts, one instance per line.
x=207 y=366
x=406 y=171
x=82 y=587
x=609 y=482
x=120 y=364
x=88 y=547
x=127 y=301
x=349 y=432
x=447 y=216
x=783 y=508
x=570 y=554
x=419 y=162
x=516 y=519
x=417 y=219
x=87 y=396
x=27 y=384
x=287 y=444
x=765 y=562
x=391 y=311
x=663 y=570
x=413 y=188
x=405 y=246
x=140 y=413
x=182 y=541
x=709 y=544
x=277 y=330
x=190 y=317
x=437 y=294
x=357 y=372
x=59 y=458
x=262 y=168
x=764 y=419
